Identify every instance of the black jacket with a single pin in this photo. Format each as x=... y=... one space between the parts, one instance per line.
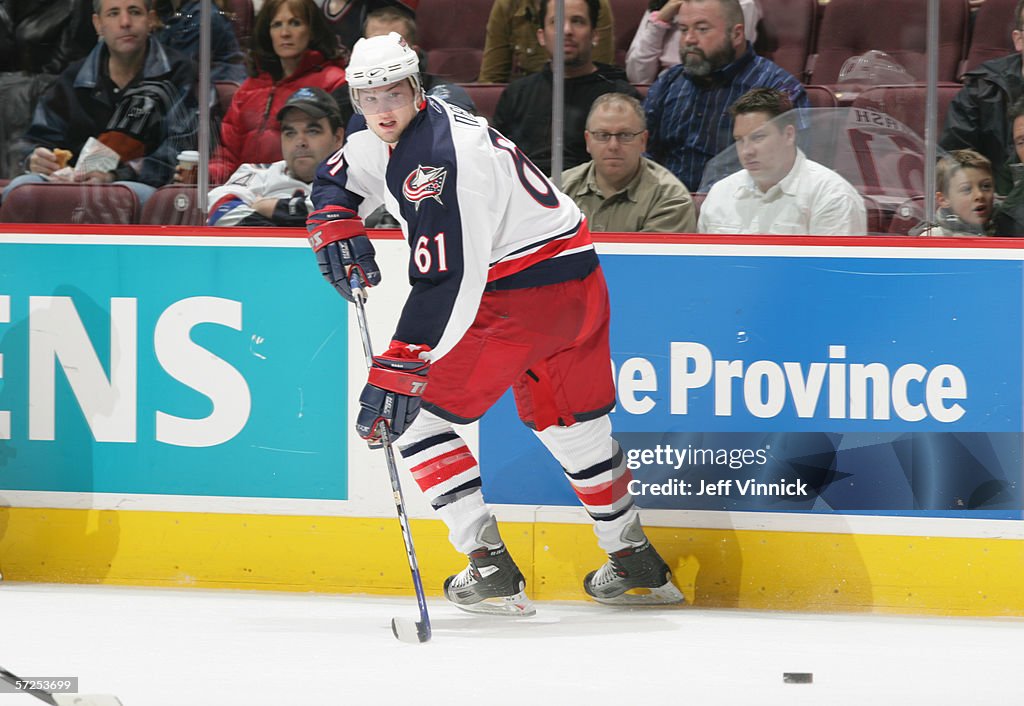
x=523 y=113
x=44 y=36
x=159 y=110
x=977 y=116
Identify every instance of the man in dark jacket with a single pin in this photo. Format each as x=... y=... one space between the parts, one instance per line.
x=977 y=117
x=523 y=113
x=131 y=93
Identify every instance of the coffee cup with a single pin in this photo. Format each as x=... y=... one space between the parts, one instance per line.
x=188 y=166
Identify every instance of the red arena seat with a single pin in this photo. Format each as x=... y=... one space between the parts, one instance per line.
x=70 y=203
x=451 y=33
x=785 y=33
x=992 y=35
x=897 y=27
x=485 y=96
x=173 y=205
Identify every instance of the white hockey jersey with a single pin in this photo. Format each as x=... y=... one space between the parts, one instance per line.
x=232 y=203
x=476 y=212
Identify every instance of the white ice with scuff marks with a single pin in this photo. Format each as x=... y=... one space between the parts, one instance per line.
x=190 y=647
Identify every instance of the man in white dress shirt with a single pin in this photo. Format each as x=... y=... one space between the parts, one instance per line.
x=779 y=191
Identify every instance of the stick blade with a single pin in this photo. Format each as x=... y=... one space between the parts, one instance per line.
x=86 y=700
x=410 y=631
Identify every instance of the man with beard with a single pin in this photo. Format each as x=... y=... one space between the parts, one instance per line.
x=688 y=106
x=523 y=113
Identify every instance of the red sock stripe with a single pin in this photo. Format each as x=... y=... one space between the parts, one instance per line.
x=605 y=494
x=444 y=467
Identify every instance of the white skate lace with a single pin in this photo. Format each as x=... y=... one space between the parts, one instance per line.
x=463 y=578
x=605 y=575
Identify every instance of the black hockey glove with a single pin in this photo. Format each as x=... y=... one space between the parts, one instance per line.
x=339 y=239
x=392 y=393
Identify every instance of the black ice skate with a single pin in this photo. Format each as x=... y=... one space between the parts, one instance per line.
x=492 y=583
x=634 y=576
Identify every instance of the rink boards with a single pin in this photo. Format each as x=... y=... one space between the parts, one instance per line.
x=812 y=423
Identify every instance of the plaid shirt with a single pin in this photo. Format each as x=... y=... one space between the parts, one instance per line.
x=689 y=119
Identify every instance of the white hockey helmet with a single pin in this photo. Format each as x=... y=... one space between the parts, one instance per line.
x=382 y=61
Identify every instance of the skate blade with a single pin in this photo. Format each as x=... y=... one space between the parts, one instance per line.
x=666 y=594
x=515 y=606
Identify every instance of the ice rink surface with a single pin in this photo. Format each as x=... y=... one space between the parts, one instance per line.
x=178 y=647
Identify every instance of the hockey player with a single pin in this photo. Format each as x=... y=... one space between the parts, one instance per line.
x=506 y=292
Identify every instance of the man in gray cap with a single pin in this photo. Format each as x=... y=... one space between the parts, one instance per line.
x=312 y=129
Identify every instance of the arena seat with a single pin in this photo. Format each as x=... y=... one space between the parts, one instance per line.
x=626 y=16
x=877 y=217
x=70 y=203
x=908 y=214
x=242 y=15
x=785 y=33
x=451 y=33
x=698 y=199
x=907 y=103
x=897 y=27
x=821 y=97
x=225 y=92
x=172 y=205
x=992 y=35
x=485 y=96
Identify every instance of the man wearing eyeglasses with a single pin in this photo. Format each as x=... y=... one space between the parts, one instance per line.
x=620 y=190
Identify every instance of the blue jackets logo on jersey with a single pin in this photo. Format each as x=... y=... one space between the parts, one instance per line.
x=424 y=183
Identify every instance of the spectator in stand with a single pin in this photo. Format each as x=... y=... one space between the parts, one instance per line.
x=44 y=37
x=312 y=129
x=346 y=18
x=512 y=48
x=523 y=113
x=292 y=47
x=1009 y=219
x=620 y=190
x=180 y=30
x=965 y=194
x=655 y=46
x=389 y=19
x=977 y=117
x=779 y=191
x=131 y=93
x=688 y=106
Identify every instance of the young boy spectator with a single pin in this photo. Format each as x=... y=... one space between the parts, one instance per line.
x=965 y=192
x=312 y=129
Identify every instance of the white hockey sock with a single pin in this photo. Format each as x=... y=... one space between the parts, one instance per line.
x=596 y=469
x=443 y=466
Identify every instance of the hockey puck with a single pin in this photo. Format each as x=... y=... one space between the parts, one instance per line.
x=797 y=678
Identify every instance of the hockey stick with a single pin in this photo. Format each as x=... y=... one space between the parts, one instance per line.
x=404 y=629
x=24 y=685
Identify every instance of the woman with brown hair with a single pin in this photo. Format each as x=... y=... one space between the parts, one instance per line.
x=292 y=47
